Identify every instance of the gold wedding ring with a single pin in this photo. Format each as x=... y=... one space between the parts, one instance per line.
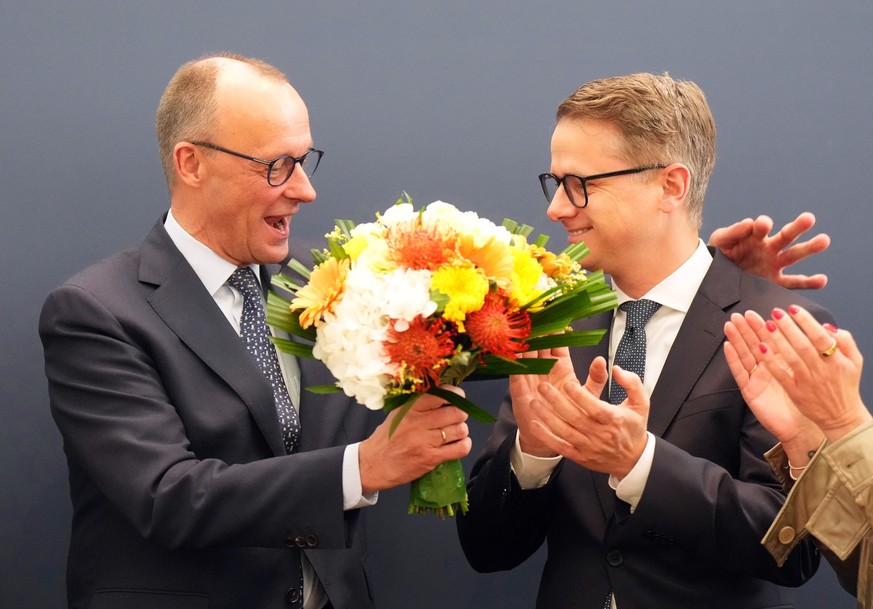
x=830 y=350
x=755 y=367
x=443 y=434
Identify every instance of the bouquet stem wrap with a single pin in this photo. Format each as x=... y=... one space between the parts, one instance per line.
x=443 y=491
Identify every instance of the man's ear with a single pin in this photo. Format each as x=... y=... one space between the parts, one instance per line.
x=187 y=163
x=676 y=183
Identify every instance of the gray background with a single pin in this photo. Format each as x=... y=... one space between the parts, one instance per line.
x=449 y=100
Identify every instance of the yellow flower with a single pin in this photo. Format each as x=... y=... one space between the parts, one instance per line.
x=355 y=246
x=525 y=276
x=466 y=287
x=493 y=258
x=324 y=290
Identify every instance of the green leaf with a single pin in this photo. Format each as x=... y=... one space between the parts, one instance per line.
x=576 y=251
x=582 y=338
x=336 y=250
x=499 y=366
x=280 y=316
x=462 y=403
x=460 y=367
x=284 y=282
x=298 y=267
x=442 y=491
x=346 y=227
x=541 y=241
x=586 y=300
x=323 y=389
x=407 y=402
x=440 y=299
x=296 y=349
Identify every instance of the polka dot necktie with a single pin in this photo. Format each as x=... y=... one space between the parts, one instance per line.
x=631 y=352
x=254 y=333
x=631 y=355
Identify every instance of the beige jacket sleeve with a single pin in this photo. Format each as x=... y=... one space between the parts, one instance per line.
x=832 y=501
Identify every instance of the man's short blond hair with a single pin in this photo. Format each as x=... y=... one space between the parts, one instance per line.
x=188 y=105
x=661 y=121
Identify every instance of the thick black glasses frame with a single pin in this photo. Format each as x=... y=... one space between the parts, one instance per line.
x=546 y=177
x=270 y=164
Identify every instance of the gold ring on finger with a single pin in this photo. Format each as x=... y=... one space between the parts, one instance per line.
x=830 y=350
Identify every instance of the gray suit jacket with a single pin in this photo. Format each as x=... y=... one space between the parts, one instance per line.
x=694 y=539
x=182 y=493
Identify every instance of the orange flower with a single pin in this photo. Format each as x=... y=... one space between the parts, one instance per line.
x=414 y=246
x=421 y=351
x=554 y=265
x=494 y=258
x=495 y=329
x=322 y=293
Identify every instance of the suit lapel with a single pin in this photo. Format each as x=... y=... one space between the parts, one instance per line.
x=190 y=312
x=700 y=336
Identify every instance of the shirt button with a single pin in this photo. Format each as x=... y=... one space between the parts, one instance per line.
x=786 y=535
x=614 y=558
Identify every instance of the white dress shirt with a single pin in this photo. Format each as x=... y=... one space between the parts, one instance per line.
x=214 y=271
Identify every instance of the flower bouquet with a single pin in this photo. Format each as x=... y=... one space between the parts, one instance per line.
x=396 y=307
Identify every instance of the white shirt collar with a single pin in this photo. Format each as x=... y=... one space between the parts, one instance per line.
x=678 y=289
x=212 y=269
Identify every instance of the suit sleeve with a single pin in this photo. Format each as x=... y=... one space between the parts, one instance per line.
x=505 y=524
x=129 y=441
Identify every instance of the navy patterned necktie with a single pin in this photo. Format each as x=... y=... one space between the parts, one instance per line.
x=254 y=333
x=631 y=352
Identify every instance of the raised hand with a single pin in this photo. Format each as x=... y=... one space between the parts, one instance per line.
x=525 y=387
x=749 y=245
x=764 y=395
x=819 y=367
x=572 y=421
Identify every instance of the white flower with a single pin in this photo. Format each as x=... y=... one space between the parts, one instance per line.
x=445 y=215
x=350 y=340
x=402 y=212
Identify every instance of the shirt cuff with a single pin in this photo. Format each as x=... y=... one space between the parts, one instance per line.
x=530 y=471
x=353 y=497
x=630 y=488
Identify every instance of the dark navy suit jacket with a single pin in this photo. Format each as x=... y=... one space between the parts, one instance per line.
x=182 y=494
x=694 y=539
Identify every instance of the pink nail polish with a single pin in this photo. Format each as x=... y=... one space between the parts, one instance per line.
x=830 y=327
x=778 y=314
x=771 y=325
x=762 y=347
x=794 y=309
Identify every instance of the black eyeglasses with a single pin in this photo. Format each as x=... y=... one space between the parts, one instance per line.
x=279 y=170
x=576 y=186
